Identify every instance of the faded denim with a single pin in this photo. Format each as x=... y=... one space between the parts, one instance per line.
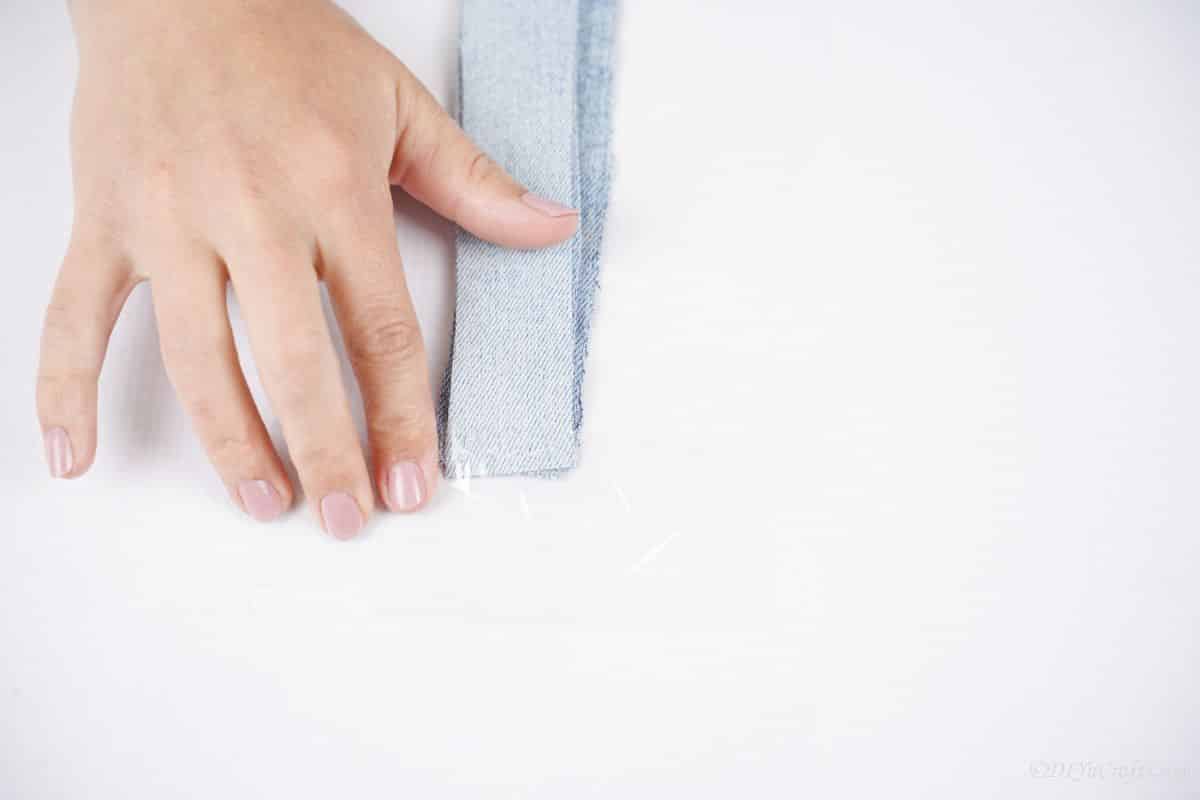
x=536 y=78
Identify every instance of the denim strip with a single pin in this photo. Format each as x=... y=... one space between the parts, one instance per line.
x=535 y=95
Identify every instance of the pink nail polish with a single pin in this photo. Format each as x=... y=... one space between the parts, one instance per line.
x=59 y=457
x=406 y=487
x=341 y=514
x=548 y=207
x=260 y=500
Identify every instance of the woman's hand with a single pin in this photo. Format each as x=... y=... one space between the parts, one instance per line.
x=253 y=141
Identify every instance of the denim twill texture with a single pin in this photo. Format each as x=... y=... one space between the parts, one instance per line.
x=535 y=94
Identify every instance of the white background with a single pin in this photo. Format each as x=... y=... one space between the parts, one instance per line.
x=891 y=464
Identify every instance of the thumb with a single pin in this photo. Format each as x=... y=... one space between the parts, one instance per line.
x=440 y=166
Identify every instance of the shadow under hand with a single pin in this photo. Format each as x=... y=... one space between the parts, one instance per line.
x=137 y=409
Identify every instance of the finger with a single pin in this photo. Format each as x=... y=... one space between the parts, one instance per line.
x=383 y=341
x=439 y=165
x=279 y=294
x=201 y=360
x=91 y=289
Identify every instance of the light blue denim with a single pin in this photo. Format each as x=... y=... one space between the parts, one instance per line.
x=535 y=94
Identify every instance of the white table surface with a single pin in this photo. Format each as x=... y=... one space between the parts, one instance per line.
x=891 y=464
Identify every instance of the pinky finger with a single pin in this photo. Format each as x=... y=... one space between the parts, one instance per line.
x=91 y=289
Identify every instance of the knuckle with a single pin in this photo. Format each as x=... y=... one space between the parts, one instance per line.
x=384 y=341
x=317 y=456
x=337 y=177
x=252 y=214
x=481 y=169
x=406 y=428
x=66 y=389
x=160 y=181
x=324 y=464
x=253 y=207
x=73 y=324
x=246 y=183
x=337 y=164
x=418 y=147
x=275 y=269
x=204 y=413
x=62 y=318
x=274 y=262
x=232 y=448
x=322 y=139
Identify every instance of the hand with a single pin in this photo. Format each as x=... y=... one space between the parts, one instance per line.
x=253 y=141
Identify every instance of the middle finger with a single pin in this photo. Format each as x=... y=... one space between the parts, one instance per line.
x=277 y=287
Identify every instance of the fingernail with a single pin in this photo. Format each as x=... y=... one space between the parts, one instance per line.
x=341 y=514
x=548 y=207
x=58 y=452
x=260 y=500
x=406 y=487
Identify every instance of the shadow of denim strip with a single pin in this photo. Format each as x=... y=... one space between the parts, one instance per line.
x=535 y=95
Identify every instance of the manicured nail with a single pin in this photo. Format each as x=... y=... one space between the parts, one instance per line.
x=548 y=207
x=58 y=452
x=260 y=500
x=406 y=487
x=341 y=514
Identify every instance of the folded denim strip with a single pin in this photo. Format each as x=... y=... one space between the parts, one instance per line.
x=535 y=94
